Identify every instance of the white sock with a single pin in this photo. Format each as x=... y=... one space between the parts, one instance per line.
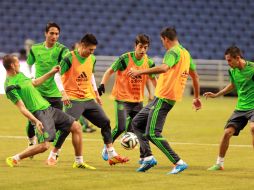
x=79 y=159
x=32 y=140
x=180 y=162
x=16 y=157
x=111 y=152
x=148 y=158
x=52 y=155
x=220 y=161
x=58 y=151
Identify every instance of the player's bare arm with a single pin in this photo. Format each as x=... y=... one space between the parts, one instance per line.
x=195 y=83
x=22 y=108
x=224 y=91
x=154 y=70
x=104 y=80
x=40 y=80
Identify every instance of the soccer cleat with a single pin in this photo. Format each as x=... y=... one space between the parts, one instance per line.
x=118 y=159
x=83 y=166
x=104 y=154
x=51 y=162
x=146 y=165
x=11 y=162
x=178 y=168
x=141 y=160
x=216 y=167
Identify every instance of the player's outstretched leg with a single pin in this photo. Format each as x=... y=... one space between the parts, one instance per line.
x=113 y=157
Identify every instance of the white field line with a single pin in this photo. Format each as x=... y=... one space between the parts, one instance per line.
x=100 y=140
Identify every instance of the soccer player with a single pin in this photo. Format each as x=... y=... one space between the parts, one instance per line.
x=22 y=92
x=148 y=123
x=241 y=75
x=45 y=56
x=128 y=92
x=77 y=90
x=86 y=127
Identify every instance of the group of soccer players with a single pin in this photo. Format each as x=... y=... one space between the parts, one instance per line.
x=64 y=77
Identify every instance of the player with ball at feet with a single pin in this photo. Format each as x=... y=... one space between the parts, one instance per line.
x=148 y=123
x=128 y=92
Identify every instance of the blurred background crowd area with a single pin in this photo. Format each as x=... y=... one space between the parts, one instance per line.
x=205 y=28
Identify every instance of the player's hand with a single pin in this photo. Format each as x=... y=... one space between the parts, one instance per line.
x=133 y=73
x=209 y=95
x=150 y=98
x=65 y=99
x=197 y=105
x=55 y=69
x=101 y=89
x=39 y=126
x=99 y=100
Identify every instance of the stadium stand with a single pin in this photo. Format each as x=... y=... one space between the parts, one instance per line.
x=204 y=27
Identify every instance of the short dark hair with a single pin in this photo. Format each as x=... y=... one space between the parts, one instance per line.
x=143 y=39
x=234 y=51
x=89 y=39
x=52 y=24
x=7 y=61
x=169 y=33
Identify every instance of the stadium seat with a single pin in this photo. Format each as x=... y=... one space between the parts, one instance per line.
x=195 y=20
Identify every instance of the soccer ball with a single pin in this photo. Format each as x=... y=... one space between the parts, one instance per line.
x=129 y=141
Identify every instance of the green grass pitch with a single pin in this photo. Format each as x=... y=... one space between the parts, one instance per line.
x=193 y=135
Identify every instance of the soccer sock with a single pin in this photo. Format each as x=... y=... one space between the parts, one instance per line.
x=52 y=155
x=58 y=151
x=220 y=161
x=180 y=162
x=16 y=157
x=32 y=140
x=79 y=159
x=111 y=152
x=148 y=158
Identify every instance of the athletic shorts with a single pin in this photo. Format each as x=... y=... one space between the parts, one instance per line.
x=52 y=119
x=56 y=102
x=239 y=120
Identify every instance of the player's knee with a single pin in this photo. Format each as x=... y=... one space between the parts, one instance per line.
x=76 y=127
x=152 y=136
x=252 y=129
x=134 y=124
x=148 y=136
x=229 y=132
x=44 y=146
x=105 y=123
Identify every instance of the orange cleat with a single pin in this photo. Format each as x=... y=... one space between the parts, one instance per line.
x=51 y=162
x=118 y=159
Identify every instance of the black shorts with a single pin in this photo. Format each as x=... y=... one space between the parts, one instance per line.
x=56 y=102
x=52 y=119
x=239 y=120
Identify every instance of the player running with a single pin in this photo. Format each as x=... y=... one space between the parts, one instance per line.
x=77 y=90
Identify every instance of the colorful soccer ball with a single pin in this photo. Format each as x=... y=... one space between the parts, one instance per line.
x=129 y=141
